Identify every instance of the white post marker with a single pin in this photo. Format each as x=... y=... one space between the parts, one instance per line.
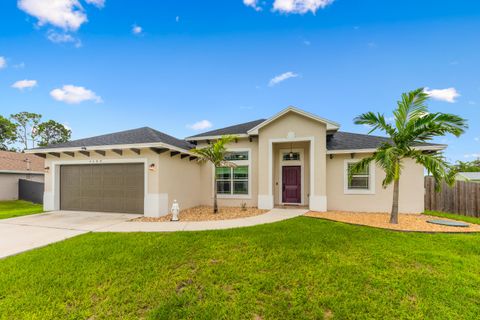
x=175 y=210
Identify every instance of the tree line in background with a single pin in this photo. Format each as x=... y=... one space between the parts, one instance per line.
x=467 y=166
x=26 y=130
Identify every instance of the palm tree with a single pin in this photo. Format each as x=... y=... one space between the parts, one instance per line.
x=412 y=125
x=215 y=153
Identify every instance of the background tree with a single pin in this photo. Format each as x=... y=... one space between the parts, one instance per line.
x=7 y=133
x=215 y=153
x=52 y=132
x=413 y=124
x=26 y=128
x=468 y=166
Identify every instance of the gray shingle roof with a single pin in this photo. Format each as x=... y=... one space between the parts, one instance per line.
x=236 y=129
x=353 y=141
x=140 y=135
x=336 y=141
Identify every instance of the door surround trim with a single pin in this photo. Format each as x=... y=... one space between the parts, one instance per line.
x=282 y=163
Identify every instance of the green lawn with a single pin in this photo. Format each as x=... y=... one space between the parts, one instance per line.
x=10 y=209
x=303 y=268
x=453 y=216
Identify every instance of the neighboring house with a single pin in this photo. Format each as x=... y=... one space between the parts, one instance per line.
x=294 y=158
x=468 y=176
x=15 y=166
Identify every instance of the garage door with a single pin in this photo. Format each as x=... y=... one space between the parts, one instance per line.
x=102 y=187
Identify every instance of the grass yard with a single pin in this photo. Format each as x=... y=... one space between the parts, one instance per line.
x=453 y=216
x=302 y=268
x=17 y=208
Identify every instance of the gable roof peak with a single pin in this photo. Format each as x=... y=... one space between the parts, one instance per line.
x=331 y=125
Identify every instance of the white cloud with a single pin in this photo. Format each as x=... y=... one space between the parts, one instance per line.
x=472 y=155
x=471 y=102
x=20 y=65
x=200 y=125
x=448 y=95
x=300 y=6
x=177 y=19
x=73 y=95
x=64 y=14
x=282 y=77
x=137 y=29
x=3 y=62
x=476 y=139
x=96 y=3
x=24 y=84
x=253 y=4
x=56 y=37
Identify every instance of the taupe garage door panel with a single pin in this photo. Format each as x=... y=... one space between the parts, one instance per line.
x=103 y=187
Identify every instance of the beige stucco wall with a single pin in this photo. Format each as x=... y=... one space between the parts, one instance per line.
x=9 y=184
x=207 y=177
x=298 y=126
x=411 y=189
x=181 y=180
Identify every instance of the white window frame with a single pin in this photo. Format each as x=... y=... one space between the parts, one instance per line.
x=371 y=179
x=246 y=163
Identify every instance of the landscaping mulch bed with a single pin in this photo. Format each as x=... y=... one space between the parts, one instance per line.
x=406 y=222
x=205 y=213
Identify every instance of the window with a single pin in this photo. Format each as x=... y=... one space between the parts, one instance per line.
x=361 y=182
x=291 y=156
x=234 y=180
x=235 y=156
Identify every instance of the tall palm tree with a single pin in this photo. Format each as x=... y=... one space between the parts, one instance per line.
x=412 y=125
x=215 y=153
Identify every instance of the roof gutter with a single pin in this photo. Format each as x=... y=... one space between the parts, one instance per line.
x=111 y=147
x=21 y=172
x=200 y=138
x=438 y=147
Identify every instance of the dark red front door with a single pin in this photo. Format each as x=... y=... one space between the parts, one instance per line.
x=291 y=184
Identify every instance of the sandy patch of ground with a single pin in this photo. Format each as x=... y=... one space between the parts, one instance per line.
x=205 y=213
x=407 y=222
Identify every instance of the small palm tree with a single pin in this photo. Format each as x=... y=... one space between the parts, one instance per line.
x=413 y=124
x=215 y=153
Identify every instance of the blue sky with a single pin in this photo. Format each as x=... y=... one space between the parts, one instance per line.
x=104 y=66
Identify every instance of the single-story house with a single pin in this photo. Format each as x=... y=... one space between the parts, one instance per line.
x=291 y=158
x=15 y=166
x=468 y=176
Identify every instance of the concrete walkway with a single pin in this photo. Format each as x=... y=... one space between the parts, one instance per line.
x=29 y=232
x=274 y=215
x=38 y=230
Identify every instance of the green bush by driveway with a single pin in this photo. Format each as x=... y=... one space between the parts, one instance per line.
x=10 y=209
x=302 y=268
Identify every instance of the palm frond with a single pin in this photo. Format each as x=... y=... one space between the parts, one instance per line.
x=436 y=165
x=375 y=121
x=411 y=106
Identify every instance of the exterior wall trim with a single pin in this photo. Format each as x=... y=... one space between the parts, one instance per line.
x=300 y=163
x=262 y=198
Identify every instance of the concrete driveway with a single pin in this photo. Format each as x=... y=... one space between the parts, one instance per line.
x=33 y=231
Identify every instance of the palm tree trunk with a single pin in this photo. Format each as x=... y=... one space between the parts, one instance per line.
x=215 y=205
x=396 y=193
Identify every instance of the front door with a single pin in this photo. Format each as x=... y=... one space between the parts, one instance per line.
x=291 y=188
